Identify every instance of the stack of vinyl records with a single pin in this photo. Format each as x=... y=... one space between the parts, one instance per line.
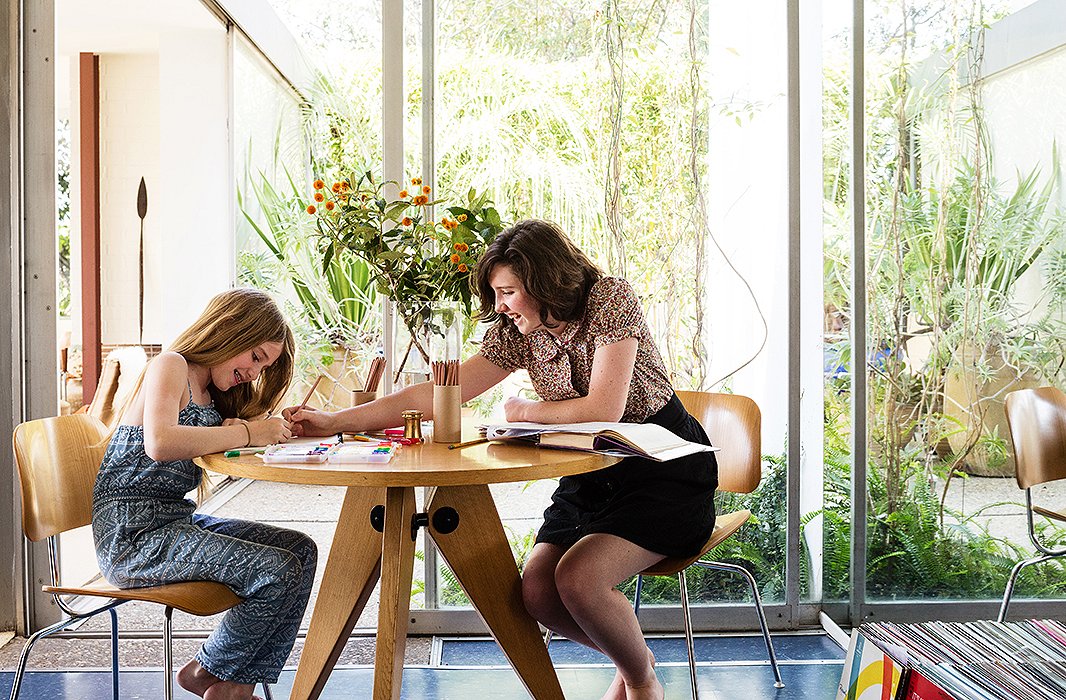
x=1024 y=660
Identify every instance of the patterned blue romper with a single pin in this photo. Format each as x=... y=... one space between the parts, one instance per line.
x=147 y=534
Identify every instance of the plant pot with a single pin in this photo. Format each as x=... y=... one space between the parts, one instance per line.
x=344 y=375
x=977 y=403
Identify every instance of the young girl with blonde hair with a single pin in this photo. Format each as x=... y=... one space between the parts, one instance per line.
x=210 y=391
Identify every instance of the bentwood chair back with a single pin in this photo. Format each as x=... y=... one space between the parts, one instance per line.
x=734 y=424
x=1037 y=424
x=57 y=462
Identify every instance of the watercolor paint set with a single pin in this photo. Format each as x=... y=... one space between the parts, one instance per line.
x=362 y=452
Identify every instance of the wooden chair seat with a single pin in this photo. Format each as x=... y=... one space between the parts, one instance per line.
x=201 y=598
x=724 y=527
x=1048 y=513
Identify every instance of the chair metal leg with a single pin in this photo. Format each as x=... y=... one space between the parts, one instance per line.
x=168 y=655
x=267 y=695
x=547 y=637
x=114 y=653
x=25 y=656
x=636 y=595
x=683 y=586
x=722 y=566
x=1009 y=592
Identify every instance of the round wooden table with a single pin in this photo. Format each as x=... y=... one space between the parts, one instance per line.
x=375 y=538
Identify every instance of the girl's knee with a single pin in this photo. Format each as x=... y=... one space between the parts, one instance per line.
x=307 y=550
x=284 y=577
x=538 y=594
x=576 y=588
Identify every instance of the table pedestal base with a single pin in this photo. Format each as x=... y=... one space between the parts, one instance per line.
x=471 y=539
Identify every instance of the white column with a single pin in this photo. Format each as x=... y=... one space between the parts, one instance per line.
x=812 y=409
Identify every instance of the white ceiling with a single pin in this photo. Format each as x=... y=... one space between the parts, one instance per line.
x=124 y=26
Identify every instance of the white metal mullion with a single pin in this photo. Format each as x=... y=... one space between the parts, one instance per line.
x=392 y=124
x=429 y=169
x=858 y=315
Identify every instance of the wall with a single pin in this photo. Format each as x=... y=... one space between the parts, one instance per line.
x=1025 y=110
x=129 y=150
x=195 y=259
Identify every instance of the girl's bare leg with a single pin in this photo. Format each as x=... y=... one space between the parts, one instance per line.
x=195 y=678
x=542 y=598
x=573 y=593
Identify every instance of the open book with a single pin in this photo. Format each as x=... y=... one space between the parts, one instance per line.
x=619 y=439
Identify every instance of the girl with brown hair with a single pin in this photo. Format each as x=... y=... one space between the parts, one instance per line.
x=583 y=339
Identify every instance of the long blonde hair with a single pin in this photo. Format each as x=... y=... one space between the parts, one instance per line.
x=234 y=322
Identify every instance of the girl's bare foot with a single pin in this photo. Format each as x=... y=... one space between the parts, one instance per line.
x=652 y=690
x=228 y=690
x=617 y=689
x=195 y=678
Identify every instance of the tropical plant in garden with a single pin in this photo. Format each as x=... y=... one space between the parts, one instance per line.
x=946 y=246
x=336 y=300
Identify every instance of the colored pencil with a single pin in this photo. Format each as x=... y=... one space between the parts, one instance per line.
x=303 y=404
x=468 y=443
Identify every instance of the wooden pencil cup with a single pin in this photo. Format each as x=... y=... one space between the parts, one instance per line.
x=447 y=419
x=361 y=397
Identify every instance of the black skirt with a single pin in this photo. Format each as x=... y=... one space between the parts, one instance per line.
x=665 y=507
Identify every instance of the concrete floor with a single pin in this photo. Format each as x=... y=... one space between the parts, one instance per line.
x=999 y=505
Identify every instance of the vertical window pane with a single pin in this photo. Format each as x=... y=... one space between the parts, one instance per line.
x=656 y=138
x=964 y=243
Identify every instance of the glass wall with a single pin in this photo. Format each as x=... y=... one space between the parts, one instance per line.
x=659 y=140
x=648 y=137
x=963 y=299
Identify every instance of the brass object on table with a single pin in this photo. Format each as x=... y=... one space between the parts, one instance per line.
x=412 y=424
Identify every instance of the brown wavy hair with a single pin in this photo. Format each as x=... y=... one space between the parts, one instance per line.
x=234 y=322
x=553 y=270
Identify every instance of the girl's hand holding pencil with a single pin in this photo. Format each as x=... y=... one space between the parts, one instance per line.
x=307 y=421
x=268 y=431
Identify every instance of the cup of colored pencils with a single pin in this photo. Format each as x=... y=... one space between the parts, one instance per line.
x=370 y=388
x=447 y=402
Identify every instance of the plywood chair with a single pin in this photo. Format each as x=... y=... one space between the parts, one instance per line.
x=1037 y=423
x=57 y=462
x=734 y=423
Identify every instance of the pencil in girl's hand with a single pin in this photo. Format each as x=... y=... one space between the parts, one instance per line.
x=303 y=404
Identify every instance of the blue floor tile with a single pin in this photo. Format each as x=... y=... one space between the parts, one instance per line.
x=730 y=667
x=803 y=681
x=791 y=647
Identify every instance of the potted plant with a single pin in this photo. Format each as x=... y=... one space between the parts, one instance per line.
x=413 y=260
